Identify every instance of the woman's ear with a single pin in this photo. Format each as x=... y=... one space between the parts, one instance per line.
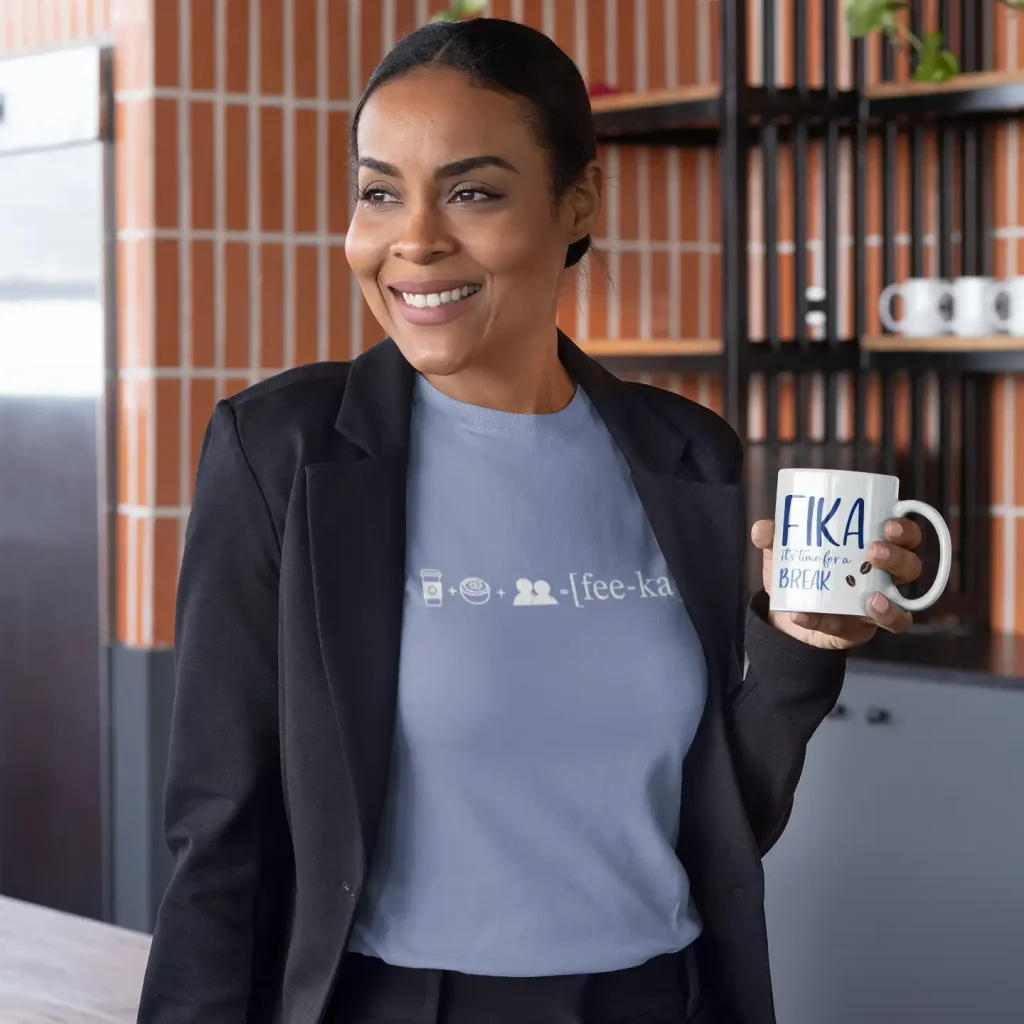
x=586 y=201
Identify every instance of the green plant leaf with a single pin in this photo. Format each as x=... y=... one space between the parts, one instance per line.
x=935 y=64
x=460 y=9
x=866 y=16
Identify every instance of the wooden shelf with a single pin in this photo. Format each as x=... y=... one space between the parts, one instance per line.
x=966 y=82
x=996 y=353
x=654 y=97
x=974 y=94
x=653 y=347
x=942 y=343
x=656 y=116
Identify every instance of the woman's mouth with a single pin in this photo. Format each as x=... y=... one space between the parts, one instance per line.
x=425 y=308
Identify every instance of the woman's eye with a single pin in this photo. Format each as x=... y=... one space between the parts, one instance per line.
x=471 y=195
x=377 y=196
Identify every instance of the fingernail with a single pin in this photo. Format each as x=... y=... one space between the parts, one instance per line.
x=880 y=603
x=879 y=551
x=893 y=530
x=801 y=618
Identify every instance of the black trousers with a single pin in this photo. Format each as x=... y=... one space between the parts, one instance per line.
x=664 y=990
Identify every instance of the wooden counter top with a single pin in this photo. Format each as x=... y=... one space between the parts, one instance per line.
x=60 y=969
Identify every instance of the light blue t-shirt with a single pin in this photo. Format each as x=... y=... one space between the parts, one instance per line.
x=551 y=683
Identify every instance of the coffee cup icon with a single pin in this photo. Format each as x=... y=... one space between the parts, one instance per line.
x=433 y=592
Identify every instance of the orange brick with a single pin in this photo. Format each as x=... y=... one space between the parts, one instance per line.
x=236 y=168
x=236 y=44
x=236 y=304
x=337 y=51
x=271 y=169
x=341 y=287
x=168 y=442
x=201 y=165
x=165 y=579
x=166 y=312
x=628 y=288
x=271 y=289
x=202 y=400
x=166 y=44
x=305 y=43
x=305 y=163
x=202 y=40
x=202 y=290
x=272 y=38
x=307 y=322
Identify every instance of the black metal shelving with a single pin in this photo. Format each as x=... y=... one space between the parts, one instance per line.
x=896 y=392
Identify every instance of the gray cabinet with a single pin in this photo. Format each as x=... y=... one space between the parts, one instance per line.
x=896 y=893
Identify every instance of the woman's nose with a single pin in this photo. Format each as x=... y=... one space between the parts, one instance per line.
x=423 y=236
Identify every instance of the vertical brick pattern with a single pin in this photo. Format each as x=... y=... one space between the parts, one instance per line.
x=1008 y=407
x=232 y=120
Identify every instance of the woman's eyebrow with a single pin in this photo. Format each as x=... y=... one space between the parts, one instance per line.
x=452 y=170
x=474 y=163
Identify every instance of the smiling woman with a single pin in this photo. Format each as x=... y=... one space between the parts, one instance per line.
x=476 y=185
x=471 y=723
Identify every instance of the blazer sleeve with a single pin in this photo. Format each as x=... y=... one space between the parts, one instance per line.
x=788 y=690
x=223 y=794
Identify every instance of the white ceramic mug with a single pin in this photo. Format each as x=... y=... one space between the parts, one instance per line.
x=922 y=307
x=970 y=315
x=1013 y=290
x=825 y=523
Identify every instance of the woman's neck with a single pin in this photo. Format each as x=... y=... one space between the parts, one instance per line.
x=529 y=380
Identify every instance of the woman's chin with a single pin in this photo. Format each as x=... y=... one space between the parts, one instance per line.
x=438 y=357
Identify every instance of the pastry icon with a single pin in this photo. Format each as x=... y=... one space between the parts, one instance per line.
x=475 y=590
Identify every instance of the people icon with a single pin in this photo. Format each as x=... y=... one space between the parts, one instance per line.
x=531 y=594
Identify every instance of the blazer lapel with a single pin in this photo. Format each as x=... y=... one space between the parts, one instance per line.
x=356 y=512
x=696 y=523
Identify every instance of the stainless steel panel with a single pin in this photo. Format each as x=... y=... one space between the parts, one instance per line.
x=55 y=468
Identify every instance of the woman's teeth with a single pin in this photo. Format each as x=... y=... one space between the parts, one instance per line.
x=422 y=300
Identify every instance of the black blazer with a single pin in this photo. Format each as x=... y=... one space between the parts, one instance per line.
x=289 y=617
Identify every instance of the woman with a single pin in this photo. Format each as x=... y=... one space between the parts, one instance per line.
x=468 y=726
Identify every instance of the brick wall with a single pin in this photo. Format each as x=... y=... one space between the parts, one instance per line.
x=232 y=120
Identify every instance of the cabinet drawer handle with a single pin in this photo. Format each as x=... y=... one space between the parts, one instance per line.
x=878 y=716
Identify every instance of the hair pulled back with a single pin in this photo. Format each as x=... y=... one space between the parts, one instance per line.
x=516 y=60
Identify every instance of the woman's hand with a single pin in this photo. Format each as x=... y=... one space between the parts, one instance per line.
x=841 y=632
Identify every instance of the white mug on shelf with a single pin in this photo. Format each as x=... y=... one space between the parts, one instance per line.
x=922 y=307
x=1013 y=291
x=825 y=523
x=970 y=314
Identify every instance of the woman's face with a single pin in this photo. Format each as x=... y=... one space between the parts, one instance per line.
x=456 y=240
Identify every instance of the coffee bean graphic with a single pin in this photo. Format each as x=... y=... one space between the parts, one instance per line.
x=851 y=581
x=865 y=568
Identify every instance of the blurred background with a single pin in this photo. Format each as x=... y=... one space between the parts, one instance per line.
x=173 y=204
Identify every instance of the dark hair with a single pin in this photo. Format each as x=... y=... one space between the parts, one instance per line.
x=519 y=61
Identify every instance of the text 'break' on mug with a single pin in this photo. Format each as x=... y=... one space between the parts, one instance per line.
x=825 y=523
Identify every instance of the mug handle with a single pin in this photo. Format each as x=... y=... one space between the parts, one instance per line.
x=992 y=297
x=926 y=600
x=889 y=292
